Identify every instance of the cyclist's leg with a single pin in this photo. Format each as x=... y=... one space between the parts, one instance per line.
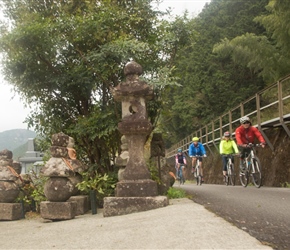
x=193 y=162
x=183 y=172
x=177 y=171
x=201 y=168
x=242 y=157
x=224 y=161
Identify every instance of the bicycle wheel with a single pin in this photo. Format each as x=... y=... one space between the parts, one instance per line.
x=231 y=174
x=227 y=175
x=244 y=176
x=180 y=177
x=256 y=173
x=197 y=176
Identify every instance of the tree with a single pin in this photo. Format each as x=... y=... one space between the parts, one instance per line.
x=211 y=83
x=267 y=54
x=63 y=57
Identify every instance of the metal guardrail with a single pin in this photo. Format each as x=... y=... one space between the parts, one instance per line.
x=268 y=108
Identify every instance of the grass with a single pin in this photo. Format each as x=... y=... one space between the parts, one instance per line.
x=285 y=184
x=176 y=193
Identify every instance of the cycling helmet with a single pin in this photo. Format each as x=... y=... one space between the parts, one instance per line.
x=195 y=139
x=227 y=134
x=179 y=150
x=245 y=119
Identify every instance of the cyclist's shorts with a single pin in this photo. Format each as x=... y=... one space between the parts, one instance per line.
x=197 y=156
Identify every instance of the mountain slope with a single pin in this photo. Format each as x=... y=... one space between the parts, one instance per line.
x=12 y=139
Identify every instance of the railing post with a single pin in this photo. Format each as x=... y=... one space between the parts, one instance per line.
x=242 y=110
x=221 y=127
x=206 y=139
x=230 y=122
x=281 y=113
x=258 y=106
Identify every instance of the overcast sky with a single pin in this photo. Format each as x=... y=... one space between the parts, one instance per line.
x=12 y=111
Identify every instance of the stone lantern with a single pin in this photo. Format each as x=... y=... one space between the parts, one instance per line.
x=136 y=191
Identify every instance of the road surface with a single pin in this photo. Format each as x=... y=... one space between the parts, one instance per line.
x=262 y=212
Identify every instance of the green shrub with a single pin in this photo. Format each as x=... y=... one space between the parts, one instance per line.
x=286 y=184
x=32 y=192
x=174 y=193
x=103 y=184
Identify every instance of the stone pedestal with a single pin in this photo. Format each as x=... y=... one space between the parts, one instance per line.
x=10 y=211
x=137 y=188
x=114 y=206
x=82 y=202
x=58 y=210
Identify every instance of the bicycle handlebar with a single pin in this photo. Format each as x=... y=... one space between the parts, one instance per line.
x=198 y=156
x=251 y=145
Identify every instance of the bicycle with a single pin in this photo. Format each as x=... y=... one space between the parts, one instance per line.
x=196 y=173
x=180 y=174
x=230 y=177
x=251 y=167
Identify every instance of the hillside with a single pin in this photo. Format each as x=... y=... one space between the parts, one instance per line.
x=13 y=139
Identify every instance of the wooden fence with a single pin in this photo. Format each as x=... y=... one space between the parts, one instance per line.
x=267 y=108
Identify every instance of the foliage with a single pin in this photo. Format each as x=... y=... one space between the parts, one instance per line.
x=154 y=172
x=268 y=54
x=285 y=184
x=209 y=83
x=64 y=58
x=175 y=193
x=32 y=190
x=103 y=184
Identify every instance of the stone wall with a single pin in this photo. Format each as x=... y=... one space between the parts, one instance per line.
x=275 y=164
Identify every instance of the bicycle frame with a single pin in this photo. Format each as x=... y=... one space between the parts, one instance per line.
x=253 y=168
x=180 y=174
x=249 y=158
x=230 y=177
x=197 y=174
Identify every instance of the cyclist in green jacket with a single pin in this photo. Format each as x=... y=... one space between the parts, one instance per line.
x=227 y=146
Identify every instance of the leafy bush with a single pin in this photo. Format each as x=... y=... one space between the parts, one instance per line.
x=32 y=190
x=174 y=193
x=103 y=184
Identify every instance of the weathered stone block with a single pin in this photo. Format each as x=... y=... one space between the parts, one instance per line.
x=8 y=191
x=82 y=202
x=58 y=210
x=10 y=211
x=137 y=188
x=58 y=189
x=58 y=152
x=114 y=206
x=6 y=154
x=60 y=139
x=56 y=167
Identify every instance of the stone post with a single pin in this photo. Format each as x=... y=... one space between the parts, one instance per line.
x=9 y=187
x=136 y=190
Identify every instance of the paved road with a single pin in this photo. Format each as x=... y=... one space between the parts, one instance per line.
x=262 y=212
x=183 y=224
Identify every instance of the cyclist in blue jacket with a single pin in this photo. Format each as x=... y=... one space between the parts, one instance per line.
x=196 y=149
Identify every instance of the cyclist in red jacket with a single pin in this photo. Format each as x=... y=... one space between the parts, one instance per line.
x=246 y=134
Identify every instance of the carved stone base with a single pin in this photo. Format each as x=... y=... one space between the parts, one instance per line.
x=58 y=210
x=114 y=206
x=82 y=203
x=10 y=211
x=138 y=188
